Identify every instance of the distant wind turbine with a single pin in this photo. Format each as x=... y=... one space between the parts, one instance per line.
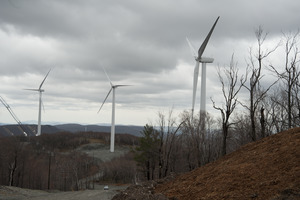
x=112 y=133
x=203 y=60
x=40 y=90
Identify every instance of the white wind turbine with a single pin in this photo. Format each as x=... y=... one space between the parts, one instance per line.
x=40 y=90
x=112 y=133
x=203 y=60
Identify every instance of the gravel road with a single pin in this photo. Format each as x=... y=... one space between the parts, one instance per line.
x=14 y=193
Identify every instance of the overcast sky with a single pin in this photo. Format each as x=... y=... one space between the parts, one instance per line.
x=140 y=43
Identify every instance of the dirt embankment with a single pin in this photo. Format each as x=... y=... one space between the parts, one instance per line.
x=266 y=169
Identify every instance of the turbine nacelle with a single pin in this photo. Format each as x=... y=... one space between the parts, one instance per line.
x=205 y=60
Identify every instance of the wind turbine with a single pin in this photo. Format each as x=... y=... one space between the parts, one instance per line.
x=199 y=59
x=112 y=132
x=40 y=90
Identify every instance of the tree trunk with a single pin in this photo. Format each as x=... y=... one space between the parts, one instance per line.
x=225 y=132
x=160 y=164
x=148 y=170
x=252 y=118
x=12 y=169
x=262 y=122
x=49 y=171
x=289 y=108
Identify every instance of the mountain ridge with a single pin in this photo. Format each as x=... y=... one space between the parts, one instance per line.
x=30 y=129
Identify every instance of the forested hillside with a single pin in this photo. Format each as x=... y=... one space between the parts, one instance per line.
x=64 y=161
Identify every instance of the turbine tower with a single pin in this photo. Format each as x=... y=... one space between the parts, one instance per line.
x=112 y=132
x=40 y=90
x=199 y=59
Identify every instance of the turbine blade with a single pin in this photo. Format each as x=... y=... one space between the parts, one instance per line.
x=107 y=76
x=121 y=85
x=193 y=51
x=196 y=74
x=203 y=46
x=105 y=99
x=32 y=89
x=44 y=80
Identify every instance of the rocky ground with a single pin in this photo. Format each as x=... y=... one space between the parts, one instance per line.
x=268 y=169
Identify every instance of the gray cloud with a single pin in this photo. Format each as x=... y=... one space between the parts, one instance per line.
x=139 y=43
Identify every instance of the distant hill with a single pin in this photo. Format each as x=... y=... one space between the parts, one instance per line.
x=74 y=128
x=30 y=129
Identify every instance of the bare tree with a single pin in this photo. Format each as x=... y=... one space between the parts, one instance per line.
x=195 y=138
x=290 y=78
x=241 y=128
x=167 y=135
x=256 y=91
x=297 y=97
x=198 y=147
x=230 y=90
x=190 y=139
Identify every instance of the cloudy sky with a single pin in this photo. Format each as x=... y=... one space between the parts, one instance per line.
x=140 y=43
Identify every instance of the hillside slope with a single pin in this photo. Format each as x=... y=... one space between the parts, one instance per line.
x=266 y=169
